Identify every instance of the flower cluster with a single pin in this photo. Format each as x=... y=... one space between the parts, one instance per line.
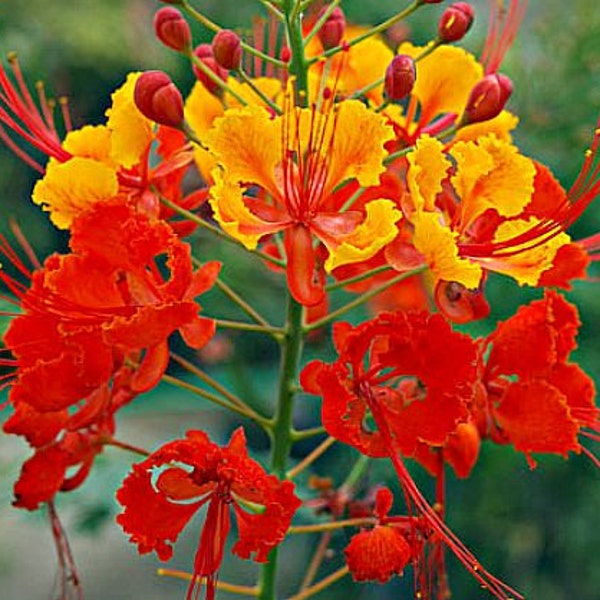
x=343 y=160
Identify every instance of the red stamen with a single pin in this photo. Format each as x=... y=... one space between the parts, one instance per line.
x=502 y=29
x=19 y=113
x=498 y=588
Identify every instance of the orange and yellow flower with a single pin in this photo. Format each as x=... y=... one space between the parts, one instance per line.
x=281 y=174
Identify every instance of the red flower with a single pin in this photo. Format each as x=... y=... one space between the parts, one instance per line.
x=108 y=301
x=65 y=443
x=419 y=370
x=402 y=380
x=160 y=499
x=536 y=399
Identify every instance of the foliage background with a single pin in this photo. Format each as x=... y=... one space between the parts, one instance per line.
x=539 y=530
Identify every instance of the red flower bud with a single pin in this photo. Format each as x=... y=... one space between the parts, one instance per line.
x=487 y=98
x=158 y=99
x=227 y=49
x=400 y=77
x=333 y=29
x=455 y=22
x=172 y=29
x=204 y=52
x=422 y=1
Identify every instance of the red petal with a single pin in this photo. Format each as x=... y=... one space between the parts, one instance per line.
x=536 y=418
x=306 y=279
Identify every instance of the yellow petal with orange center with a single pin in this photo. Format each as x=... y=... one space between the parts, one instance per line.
x=376 y=231
x=490 y=173
x=69 y=188
x=246 y=142
x=232 y=214
x=358 y=149
x=91 y=141
x=500 y=126
x=201 y=110
x=526 y=266
x=131 y=131
x=437 y=244
x=445 y=79
x=428 y=167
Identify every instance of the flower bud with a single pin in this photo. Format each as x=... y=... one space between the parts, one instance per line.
x=455 y=22
x=333 y=29
x=227 y=49
x=172 y=29
x=204 y=52
x=422 y=1
x=400 y=77
x=158 y=99
x=487 y=98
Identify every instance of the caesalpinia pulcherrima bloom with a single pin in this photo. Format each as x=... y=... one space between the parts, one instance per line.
x=331 y=152
x=163 y=492
x=297 y=160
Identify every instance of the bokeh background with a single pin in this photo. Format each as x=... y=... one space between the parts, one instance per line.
x=539 y=530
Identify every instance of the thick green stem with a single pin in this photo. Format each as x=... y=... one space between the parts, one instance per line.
x=291 y=351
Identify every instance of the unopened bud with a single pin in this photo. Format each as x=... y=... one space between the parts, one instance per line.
x=285 y=55
x=455 y=22
x=487 y=98
x=425 y=1
x=227 y=49
x=158 y=99
x=204 y=52
x=172 y=29
x=332 y=31
x=400 y=77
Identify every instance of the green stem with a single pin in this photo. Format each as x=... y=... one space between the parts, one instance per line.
x=274 y=331
x=358 y=278
x=241 y=303
x=215 y=385
x=190 y=387
x=291 y=351
x=361 y=300
x=250 y=83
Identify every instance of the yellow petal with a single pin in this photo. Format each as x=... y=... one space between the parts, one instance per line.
x=490 y=173
x=527 y=265
x=358 y=141
x=131 y=131
x=201 y=110
x=445 y=79
x=247 y=144
x=71 y=187
x=232 y=214
x=91 y=141
x=428 y=167
x=377 y=230
x=269 y=86
x=437 y=244
x=500 y=126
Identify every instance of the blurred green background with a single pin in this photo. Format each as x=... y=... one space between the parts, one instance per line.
x=539 y=530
